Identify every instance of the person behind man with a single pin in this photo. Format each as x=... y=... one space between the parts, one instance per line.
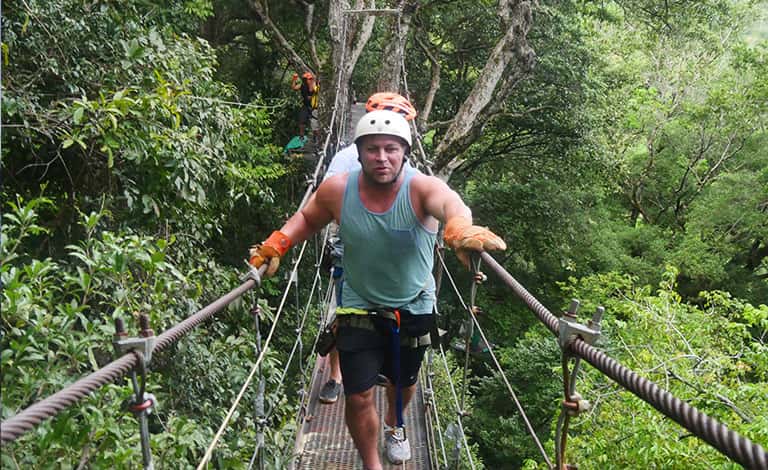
x=344 y=161
x=309 y=96
x=388 y=216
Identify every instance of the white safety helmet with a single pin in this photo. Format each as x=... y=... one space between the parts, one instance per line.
x=384 y=122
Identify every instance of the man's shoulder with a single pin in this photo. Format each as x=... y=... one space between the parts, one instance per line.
x=344 y=160
x=349 y=150
x=421 y=181
x=333 y=187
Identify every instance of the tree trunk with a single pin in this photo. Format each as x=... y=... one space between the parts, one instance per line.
x=434 y=84
x=349 y=35
x=511 y=61
x=391 y=73
x=262 y=11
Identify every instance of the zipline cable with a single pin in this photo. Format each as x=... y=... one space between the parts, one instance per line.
x=708 y=429
x=30 y=417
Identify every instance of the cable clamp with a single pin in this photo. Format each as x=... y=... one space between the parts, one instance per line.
x=252 y=273
x=569 y=329
x=575 y=405
x=142 y=345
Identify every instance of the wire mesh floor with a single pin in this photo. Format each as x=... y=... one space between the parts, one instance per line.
x=323 y=442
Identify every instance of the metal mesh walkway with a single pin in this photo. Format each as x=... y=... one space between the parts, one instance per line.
x=323 y=442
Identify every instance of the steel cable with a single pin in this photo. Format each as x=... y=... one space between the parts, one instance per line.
x=728 y=442
x=708 y=429
x=540 y=310
x=27 y=419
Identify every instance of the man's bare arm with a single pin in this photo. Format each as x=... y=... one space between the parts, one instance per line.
x=317 y=212
x=440 y=201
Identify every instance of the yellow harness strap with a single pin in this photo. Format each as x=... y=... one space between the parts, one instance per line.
x=350 y=311
x=423 y=340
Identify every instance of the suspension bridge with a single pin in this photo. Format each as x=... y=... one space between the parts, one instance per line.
x=322 y=440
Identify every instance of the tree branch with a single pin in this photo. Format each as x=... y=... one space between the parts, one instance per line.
x=434 y=83
x=261 y=8
x=511 y=60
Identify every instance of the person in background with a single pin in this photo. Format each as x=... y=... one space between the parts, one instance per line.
x=310 y=90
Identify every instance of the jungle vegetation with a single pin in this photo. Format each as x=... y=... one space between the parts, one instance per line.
x=617 y=146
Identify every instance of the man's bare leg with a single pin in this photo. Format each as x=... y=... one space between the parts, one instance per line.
x=363 y=424
x=333 y=360
x=390 y=419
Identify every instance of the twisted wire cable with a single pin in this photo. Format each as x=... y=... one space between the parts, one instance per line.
x=708 y=429
x=27 y=419
x=740 y=449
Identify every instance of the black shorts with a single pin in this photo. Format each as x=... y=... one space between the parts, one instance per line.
x=365 y=353
x=305 y=115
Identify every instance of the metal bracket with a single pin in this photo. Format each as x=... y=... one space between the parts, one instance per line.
x=570 y=329
x=252 y=273
x=575 y=404
x=143 y=344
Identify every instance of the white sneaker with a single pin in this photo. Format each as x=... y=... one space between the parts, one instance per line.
x=397 y=447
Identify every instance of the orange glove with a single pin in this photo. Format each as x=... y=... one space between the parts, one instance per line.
x=270 y=251
x=462 y=236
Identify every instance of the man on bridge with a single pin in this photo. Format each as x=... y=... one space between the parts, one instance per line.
x=388 y=215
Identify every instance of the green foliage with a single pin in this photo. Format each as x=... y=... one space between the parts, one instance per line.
x=712 y=357
x=141 y=120
x=57 y=324
x=451 y=392
x=638 y=142
x=529 y=366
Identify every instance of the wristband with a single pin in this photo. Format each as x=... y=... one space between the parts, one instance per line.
x=279 y=241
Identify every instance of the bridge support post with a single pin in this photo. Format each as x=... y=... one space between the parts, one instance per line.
x=142 y=404
x=573 y=404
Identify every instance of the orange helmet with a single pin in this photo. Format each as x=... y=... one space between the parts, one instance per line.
x=307 y=75
x=388 y=101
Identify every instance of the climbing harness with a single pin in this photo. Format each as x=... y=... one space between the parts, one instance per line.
x=361 y=318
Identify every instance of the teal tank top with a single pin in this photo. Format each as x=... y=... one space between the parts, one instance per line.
x=388 y=256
